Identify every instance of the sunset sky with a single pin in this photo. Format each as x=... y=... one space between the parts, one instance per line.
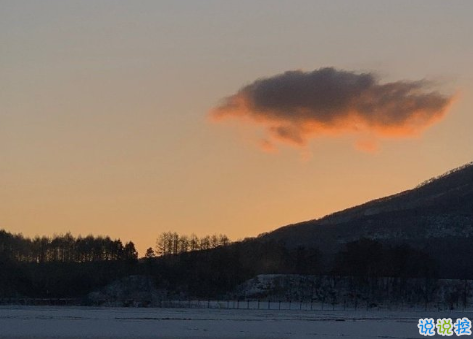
x=131 y=118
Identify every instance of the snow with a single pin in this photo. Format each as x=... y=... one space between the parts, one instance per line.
x=351 y=293
x=33 y=322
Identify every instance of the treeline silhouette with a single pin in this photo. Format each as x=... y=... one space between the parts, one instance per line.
x=171 y=243
x=61 y=266
x=64 y=248
x=370 y=258
x=218 y=271
x=211 y=266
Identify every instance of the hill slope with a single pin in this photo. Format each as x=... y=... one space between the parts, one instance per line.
x=436 y=216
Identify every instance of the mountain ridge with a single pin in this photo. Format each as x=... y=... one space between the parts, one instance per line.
x=330 y=218
x=436 y=216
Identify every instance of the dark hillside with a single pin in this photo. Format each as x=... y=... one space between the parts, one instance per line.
x=436 y=216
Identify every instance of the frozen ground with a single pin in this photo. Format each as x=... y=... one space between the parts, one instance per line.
x=107 y=323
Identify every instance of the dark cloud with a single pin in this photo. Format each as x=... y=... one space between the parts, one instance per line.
x=296 y=106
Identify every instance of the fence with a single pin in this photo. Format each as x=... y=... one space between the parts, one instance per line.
x=41 y=301
x=280 y=305
x=246 y=304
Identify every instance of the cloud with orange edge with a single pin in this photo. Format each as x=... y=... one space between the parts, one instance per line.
x=295 y=107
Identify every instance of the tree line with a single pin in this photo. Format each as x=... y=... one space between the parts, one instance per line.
x=209 y=266
x=67 y=248
x=172 y=243
x=370 y=258
x=64 y=248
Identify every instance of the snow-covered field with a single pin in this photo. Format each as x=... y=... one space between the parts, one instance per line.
x=106 y=323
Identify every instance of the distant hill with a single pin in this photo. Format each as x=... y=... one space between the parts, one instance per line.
x=423 y=233
x=436 y=217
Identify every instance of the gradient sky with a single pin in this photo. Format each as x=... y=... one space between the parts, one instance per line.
x=104 y=111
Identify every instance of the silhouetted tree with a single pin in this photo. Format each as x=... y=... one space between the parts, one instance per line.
x=130 y=252
x=150 y=253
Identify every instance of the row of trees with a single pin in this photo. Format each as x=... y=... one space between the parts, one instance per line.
x=67 y=248
x=64 y=248
x=370 y=258
x=169 y=243
x=218 y=271
x=209 y=273
x=67 y=266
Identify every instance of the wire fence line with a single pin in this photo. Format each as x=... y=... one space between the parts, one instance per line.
x=247 y=304
x=264 y=304
x=41 y=301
